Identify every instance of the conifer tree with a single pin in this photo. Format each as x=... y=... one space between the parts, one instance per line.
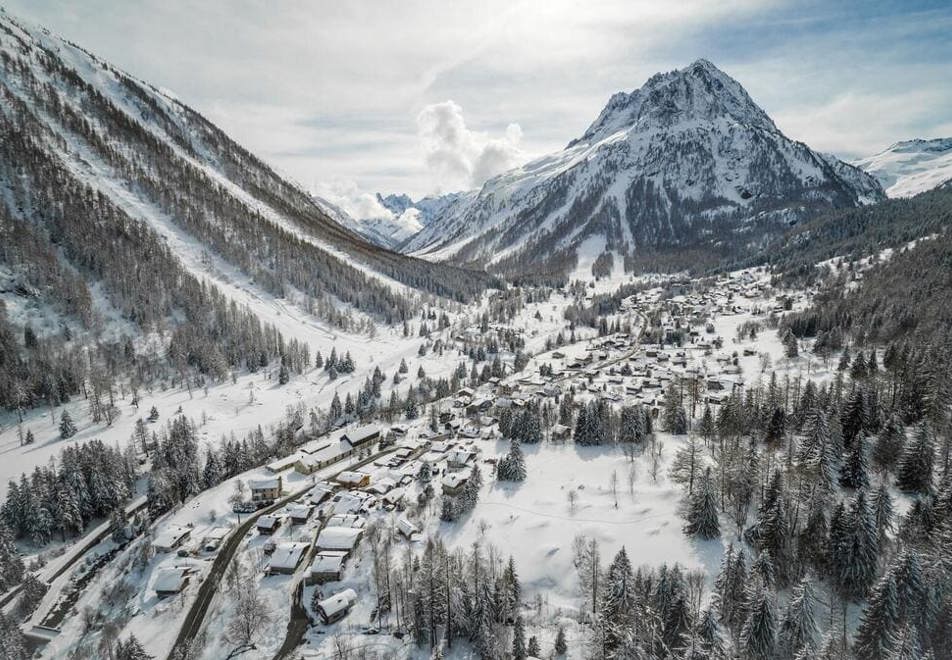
x=617 y=603
x=879 y=621
x=533 y=649
x=906 y=645
x=131 y=649
x=702 y=520
x=561 y=647
x=854 y=472
x=817 y=452
x=688 y=463
x=854 y=549
x=916 y=464
x=13 y=645
x=730 y=587
x=888 y=445
x=410 y=408
x=706 y=641
x=798 y=628
x=67 y=428
x=11 y=566
x=757 y=638
x=519 y=639
x=882 y=506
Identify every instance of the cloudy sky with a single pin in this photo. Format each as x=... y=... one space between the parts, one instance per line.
x=416 y=96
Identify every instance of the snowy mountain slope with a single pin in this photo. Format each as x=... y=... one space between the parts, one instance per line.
x=688 y=157
x=150 y=155
x=910 y=167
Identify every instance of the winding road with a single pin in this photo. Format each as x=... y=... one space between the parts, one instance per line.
x=195 y=618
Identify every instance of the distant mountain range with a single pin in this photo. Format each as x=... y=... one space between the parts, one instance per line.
x=687 y=159
x=688 y=162
x=910 y=167
x=407 y=218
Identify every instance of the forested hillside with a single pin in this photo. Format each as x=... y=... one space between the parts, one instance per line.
x=115 y=200
x=905 y=297
x=859 y=232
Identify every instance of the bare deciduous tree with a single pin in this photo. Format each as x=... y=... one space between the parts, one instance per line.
x=250 y=616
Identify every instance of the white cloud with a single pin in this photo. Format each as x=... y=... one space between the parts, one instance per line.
x=349 y=197
x=458 y=157
x=328 y=90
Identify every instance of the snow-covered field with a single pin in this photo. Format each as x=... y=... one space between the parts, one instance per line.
x=535 y=522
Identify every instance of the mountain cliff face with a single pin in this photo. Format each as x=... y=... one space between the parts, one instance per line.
x=910 y=167
x=686 y=159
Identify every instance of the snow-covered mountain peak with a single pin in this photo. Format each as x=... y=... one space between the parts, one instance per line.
x=699 y=92
x=909 y=167
x=688 y=158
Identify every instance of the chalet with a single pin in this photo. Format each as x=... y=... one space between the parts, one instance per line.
x=320 y=492
x=346 y=502
x=430 y=436
x=382 y=486
x=397 y=431
x=551 y=390
x=407 y=528
x=460 y=458
x=340 y=539
x=560 y=432
x=286 y=557
x=347 y=520
x=454 y=482
x=507 y=388
x=268 y=524
x=319 y=454
x=171 y=538
x=300 y=513
x=327 y=566
x=481 y=405
x=336 y=607
x=404 y=452
x=394 y=497
x=214 y=538
x=353 y=479
x=361 y=436
x=283 y=464
x=265 y=491
x=171 y=581
x=469 y=431
x=440 y=447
